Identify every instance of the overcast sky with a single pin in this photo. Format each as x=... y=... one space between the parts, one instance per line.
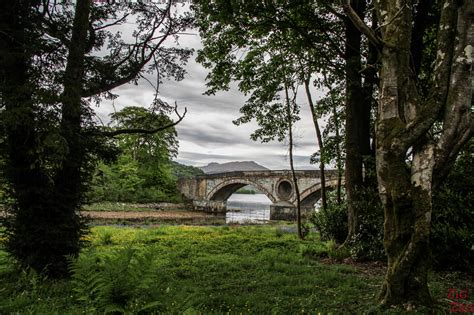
x=207 y=133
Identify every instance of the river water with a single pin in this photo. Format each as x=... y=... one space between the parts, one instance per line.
x=247 y=208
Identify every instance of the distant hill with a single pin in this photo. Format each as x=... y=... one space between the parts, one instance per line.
x=213 y=168
x=186 y=171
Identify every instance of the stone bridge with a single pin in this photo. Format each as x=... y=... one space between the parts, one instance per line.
x=210 y=192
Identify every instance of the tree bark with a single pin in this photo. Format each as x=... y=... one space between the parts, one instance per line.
x=357 y=140
x=69 y=179
x=403 y=123
x=293 y=173
x=339 y=162
x=320 y=144
x=407 y=207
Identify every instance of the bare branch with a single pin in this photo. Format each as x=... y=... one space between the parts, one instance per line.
x=145 y=131
x=392 y=19
x=139 y=61
x=362 y=26
x=123 y=18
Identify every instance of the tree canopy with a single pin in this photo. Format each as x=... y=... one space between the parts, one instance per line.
x=413 y=57
x=57 y=59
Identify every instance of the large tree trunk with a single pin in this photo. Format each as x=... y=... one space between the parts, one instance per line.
x=407 y=204
x=357 y=121
x=44 y=227
x=69 y=177
x=406 y=198
x=403 y=122
x=31 y=235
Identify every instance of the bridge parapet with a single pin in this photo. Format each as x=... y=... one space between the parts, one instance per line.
x=210 y=192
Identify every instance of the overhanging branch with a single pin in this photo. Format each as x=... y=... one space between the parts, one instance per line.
x=143 y=130
x=136 y=62
x=361 y=25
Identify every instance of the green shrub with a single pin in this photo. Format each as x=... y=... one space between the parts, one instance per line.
x=452 y=229
x=367 y=243
x=332 y=223
x=335 y=252
x=119 y=283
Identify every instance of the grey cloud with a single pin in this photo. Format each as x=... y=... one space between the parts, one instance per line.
x=207 y=133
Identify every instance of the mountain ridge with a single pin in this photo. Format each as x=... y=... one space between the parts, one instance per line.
x=214 y=168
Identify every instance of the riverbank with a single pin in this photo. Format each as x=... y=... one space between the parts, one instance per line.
x=133 y=214
x=242 y=209
x=202 y=270
x=152 y=217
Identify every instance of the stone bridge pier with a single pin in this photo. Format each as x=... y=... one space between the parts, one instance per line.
x=210 y=192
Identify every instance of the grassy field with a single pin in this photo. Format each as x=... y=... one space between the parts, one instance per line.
x=205 y=270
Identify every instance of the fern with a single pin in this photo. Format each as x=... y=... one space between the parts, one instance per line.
x=117 y=283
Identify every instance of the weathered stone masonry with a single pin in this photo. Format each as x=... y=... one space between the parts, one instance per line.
x=210 y=192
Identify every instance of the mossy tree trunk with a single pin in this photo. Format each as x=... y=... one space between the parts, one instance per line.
x=405 y=119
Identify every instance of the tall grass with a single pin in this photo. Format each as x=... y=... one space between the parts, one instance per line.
x=201 y=270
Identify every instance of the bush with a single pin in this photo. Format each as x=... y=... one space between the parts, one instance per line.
x=332 y=223
x=335 y=252
x=128 y=181
x=367 y=244
x=452 y=232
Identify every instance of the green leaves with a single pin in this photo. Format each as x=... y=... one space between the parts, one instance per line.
x=142 y=172
x=265 y=46
x=120 y=282
x=161 y=145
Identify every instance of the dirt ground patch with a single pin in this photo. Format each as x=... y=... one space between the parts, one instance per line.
x=145 y=215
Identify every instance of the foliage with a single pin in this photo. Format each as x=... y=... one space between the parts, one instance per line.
x=367 y=243
x=332 y=223
x=452 y=235
x=245 y=43
x=142 y=171
x=50 y=73
x=119 y=282
x=184 y=171
x=204 y=270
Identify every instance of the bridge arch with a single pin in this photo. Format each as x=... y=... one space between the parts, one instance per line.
x=225 y=189
x=311 y=195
